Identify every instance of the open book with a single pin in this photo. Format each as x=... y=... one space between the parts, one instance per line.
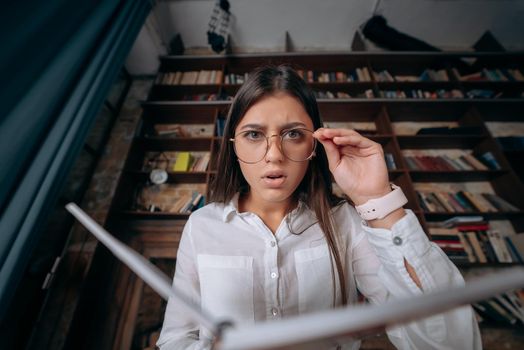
x=315 y=329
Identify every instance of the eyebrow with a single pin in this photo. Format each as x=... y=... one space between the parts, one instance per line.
x=284 y=127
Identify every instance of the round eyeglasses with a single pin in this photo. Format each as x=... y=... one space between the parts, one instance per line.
x=296 y=144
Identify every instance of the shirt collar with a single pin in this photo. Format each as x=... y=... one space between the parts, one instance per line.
x=230 y=208
x=300 y=218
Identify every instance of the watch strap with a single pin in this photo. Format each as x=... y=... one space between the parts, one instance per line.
x=378 y=208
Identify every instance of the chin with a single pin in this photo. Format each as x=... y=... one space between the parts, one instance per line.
x=275 y=195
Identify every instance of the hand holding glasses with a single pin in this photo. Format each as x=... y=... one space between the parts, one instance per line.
x=297 y=145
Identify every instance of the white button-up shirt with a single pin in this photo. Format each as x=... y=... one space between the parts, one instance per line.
x=237 y=269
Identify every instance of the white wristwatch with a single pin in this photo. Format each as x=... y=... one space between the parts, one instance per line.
x=378 y=208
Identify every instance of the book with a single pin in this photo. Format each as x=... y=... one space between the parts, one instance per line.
x=475 y=244
x=188 y=205
x=475 y=163
x=194 y=203
x=475 y=226
x=471 y=200
x=486 y=246
x=498 y=313
x=489 y=159
x=461 y=219
x=183 y=161
x=517 y=245
x=499 y=203
x=220 y=123
x=184 y=130
x=515 y=255
x=459 y=130
x=390 y=161
x=508 y=306
x=444 y=201
x=201 y=163
x=463 y=202
x=500 y=247
x=467 y=247
x=291 y=332
x=487 y=310
x=179 y=204
x=484 y=204
x=515 y=301
x=457 y=205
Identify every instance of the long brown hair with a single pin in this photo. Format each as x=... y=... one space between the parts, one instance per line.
x=315 y=188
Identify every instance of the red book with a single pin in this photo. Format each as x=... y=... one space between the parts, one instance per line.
x=443 y=165
x=420 y=164
x=477 y=227
x=428 y=163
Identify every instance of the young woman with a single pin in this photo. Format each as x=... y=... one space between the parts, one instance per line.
x=275 y=242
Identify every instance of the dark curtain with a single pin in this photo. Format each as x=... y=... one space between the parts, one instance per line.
x=57 y=63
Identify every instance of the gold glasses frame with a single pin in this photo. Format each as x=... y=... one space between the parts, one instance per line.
x=281 y=136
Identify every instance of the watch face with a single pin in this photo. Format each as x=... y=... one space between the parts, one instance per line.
x=158 y=176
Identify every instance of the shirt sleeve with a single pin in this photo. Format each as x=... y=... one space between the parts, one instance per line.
x=178 y=331
x=378 y=265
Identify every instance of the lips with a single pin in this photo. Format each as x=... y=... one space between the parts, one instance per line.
x=274 y=178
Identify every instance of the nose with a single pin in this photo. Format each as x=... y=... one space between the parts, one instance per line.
x=274 y=152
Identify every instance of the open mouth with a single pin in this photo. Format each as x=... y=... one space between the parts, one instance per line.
x=274 y=179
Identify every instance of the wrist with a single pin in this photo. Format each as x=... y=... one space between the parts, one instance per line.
x=389 y=220
x=359 y=200
x=379 y=208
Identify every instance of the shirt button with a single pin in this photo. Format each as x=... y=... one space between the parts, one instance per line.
x=274 y=275
x=274 y=311
x=273 y=243
x=397 y=240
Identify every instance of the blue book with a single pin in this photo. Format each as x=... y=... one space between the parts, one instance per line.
x=515 y=255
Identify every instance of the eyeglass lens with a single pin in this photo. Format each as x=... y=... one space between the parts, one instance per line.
x=296 y=144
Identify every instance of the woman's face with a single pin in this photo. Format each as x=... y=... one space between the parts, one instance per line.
x=274 y=178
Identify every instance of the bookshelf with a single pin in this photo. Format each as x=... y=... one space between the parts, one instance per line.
x=421 y=82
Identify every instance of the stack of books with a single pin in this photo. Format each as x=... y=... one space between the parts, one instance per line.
x=507 y=308
x=471 y=240
x=425 y=161
x=319 y=94
x=201 y=77
x=426 y=75
x=233 y=78
x=485 y=74
x=177 y=161
x=421 y=94
x=358 y=74
x=206 y=97
x=463 y=202
x=220 y=123
x=188 y=203
x=183 y=130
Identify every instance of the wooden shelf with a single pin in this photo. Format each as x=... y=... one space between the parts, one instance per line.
x=423 y=85
x=455 y=176
x=199 y=144
x=336 y=86
x=165 y=106
x=146 y=215
x=439 y=141
x=173 y=177
x=504 y=215
x=486 y=265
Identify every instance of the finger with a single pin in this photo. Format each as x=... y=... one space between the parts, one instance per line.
x=357 y=152
x=330 y=133
x=354 y=140
x=332 y=152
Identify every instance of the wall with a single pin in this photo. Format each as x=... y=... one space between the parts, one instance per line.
x=260 y=25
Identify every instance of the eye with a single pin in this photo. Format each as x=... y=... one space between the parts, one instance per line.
x=253 y=135
x=293 y=134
